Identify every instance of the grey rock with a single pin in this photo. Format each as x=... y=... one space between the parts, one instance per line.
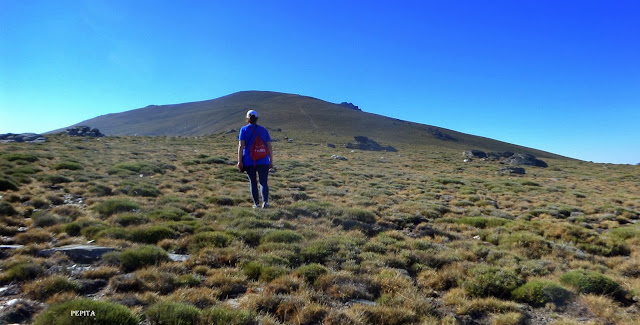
x=19 y=311
x=336 y=157
x=512 y=170
x=178 y=257
x=331 y=145
x=79 y=253
x=474 y=154
x=23 y=137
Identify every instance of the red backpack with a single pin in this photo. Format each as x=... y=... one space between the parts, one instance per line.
x=258 y=149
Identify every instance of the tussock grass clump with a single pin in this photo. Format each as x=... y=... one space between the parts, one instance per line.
x=255 y=270
x=44 y=288
x=46 y=219
x=541 y=292
x=345 y=286
x=33 y=236
x=384 y=315
x=486 y=281
x=483 y=222
x=166 y=312
x=144 y=190
x=135 y=258
x=590 y=282
x=527 y=243
x=626 y=232
x=222 y=315
x=106 y=313
x=21 y=270
x=129 y=219
x=68 y=165
x=117 y=205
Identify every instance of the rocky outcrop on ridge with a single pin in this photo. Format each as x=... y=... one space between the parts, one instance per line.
x=84 y=131
x=22 y=137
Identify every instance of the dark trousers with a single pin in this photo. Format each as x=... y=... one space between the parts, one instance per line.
x=263 y=173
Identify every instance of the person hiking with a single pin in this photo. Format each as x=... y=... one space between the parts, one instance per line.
x=255 y=155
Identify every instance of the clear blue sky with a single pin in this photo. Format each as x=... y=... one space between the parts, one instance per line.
x=560 y=76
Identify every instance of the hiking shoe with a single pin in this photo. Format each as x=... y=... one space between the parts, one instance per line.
x=265 y=205
x=255 y=206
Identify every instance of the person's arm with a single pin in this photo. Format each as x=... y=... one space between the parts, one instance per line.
x=240 y=150
x=270 y=154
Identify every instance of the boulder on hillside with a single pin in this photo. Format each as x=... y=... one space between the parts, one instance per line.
x=499 y=155
x=23 y=137
x=84 y=131
x=474 y=154
x=364 y=143
x=525 y=159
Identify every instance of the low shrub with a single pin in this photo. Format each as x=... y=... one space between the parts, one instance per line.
x=311 y=272
x=485 y=281
x=145 y=190
x=8 y=185
x=169 y=213
x=590 y=282
x=176 y=313
x=6 y=209
x=69 y=165
x=129 y=219
x=362 y=215
x=209 y=239
x=282 y=236
x=100 y=190
x=33 y=236
x=101 y=313
x=151 y=234
x=527 y=243
x=221 y=200
x=222 y=315
x=540 y=292
x=113 y=206
x=626 y=232
x=56 y=179
x=20 y=156
x=135 y=258
x=317 y=251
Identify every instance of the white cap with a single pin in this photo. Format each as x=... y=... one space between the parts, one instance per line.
x=252 y=112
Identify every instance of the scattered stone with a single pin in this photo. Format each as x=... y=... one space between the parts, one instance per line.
x=84 y=131
x=361 y=302
x=23 y=137
x=474 y=154
x=331 y=145
x=79 y=253
x=512 y=170
x=178 y=257
x=364 y=143
x=336 y=157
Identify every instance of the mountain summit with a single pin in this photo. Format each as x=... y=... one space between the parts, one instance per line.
x=295 y=115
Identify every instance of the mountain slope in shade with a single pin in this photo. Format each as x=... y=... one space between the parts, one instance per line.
x=302 y=116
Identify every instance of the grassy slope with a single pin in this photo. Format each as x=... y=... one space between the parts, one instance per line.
x=400 y=229
x=294 y=114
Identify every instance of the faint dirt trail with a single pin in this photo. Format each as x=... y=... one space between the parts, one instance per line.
x=308 y=117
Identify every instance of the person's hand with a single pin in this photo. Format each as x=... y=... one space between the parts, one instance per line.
x=240 y=166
